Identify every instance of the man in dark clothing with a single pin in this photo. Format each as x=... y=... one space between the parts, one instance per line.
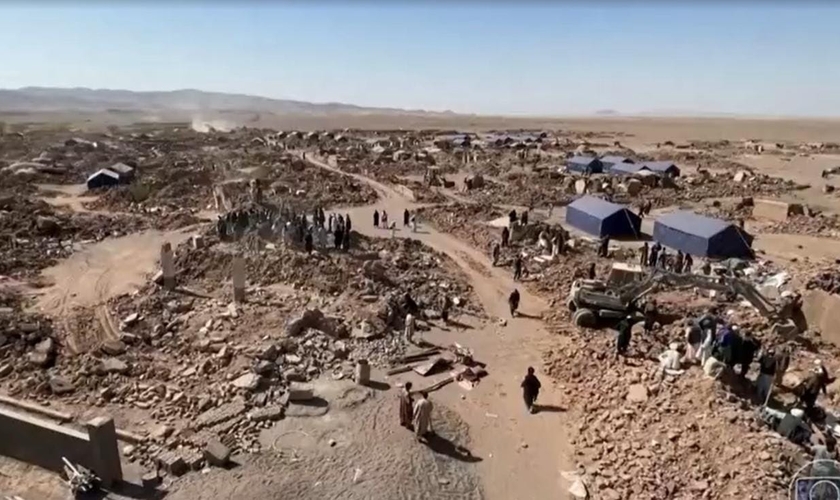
x=513 y=301
x=347 y=224
x=406 y=407
x=444 y=311
x=688 y=263
x=810 y=388
x=524 y=218
x=591 y=272
x=749 y=346
x=308 y=242
x=651 y=314
x=406 y=216
x=530 y=390
x=496 y=252
x=654 y=254
x=339 y=236
x=512 y=217
x=625 y=334
x=345 y=242
x=517 y=268
x=505 y=236
x=663 y=260
x=707 y=268
x=643 y=255
x=409 y=304
x=678 y=263
x=376 y=218
x=604 y=249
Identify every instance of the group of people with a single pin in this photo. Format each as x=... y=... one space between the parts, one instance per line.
x=656 y=256
x=416 y=415
x=381 y=220
x=339 y=226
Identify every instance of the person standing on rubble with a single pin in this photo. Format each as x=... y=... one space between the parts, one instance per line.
x=766 y=375
x=444 y=310
x=654 y=254
x=308 y=241
x=782 y=362
x=808 y=391
x=505 y=236
x=512 y=218
x=517 y=268
x=530 y=390
x=591 y=271
x=345 y=241
x=406 y=407
x=747 y=349
x=330 y=223
x=406 y=216
x=643 y=255
x=688 y=264
x=693 y=340
x=625 y=334
x=409 y=328
x=524 y=218
x=678 y=263
x=338 y=235
x=414 y=223
x=663 y=260
x=651 y=313
x=496 y=253
x=513 y=302
x=393 y=229
x=604 y=248
x=384 y=219
x=376 y=218
x=347 y=224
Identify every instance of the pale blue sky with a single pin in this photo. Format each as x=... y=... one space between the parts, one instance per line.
x=565 y=59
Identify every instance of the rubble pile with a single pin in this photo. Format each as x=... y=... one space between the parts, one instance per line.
x=466 y=221
x=822 y=225
x=646 y=439
x=827 y=280
x=24 y=336
x=36 y=235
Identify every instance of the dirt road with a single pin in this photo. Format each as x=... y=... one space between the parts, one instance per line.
x=97 y=273
x=523 y=453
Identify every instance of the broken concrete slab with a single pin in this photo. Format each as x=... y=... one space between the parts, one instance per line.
x=216 y=453
x=300 y=392
x=249 y=381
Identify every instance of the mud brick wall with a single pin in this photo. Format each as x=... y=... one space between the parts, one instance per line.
x=43 y=443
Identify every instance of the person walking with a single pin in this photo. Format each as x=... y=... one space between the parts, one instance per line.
x=405 y=217
x=625 y=334
x=496 y=253
x=376 y=218
x=517 y=268
x=513 y=302
x=530 y=390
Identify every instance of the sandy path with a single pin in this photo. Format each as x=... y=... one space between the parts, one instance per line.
x=523 y=453
x=99 y=272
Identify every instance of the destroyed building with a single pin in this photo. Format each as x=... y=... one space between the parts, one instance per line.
x=704 y=236
x=601 y=218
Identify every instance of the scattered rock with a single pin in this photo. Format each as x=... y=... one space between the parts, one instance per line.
x=637 y=393
x=112 y=347
x=61 y=385
x=216 y=453
x=249 y=381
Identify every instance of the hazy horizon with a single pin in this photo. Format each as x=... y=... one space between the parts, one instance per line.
x=529 y=60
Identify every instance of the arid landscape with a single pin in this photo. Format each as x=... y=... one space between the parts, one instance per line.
x=186 y=359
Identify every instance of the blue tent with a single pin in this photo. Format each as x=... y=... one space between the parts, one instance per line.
x=662 y=167
x=608 y=162
x=584 y=164
x=626 y=168
x=703 y=236
x=601 y=218
x=103 y=178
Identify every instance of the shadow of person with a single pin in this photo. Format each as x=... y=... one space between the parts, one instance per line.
x=443 y=446
x=548 y=409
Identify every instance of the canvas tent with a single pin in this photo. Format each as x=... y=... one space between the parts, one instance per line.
x=584 y=164
x=626 y=168
x=608 y=162
x=662 y=167
x=601 y=218
x=103 y=178
x=702 y=236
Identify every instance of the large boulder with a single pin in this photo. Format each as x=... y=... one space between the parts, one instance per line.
x=311 y=318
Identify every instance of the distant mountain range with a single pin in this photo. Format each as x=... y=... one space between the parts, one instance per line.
x=53 y=99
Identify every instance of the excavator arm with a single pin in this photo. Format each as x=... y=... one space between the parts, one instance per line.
x=659 y=279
